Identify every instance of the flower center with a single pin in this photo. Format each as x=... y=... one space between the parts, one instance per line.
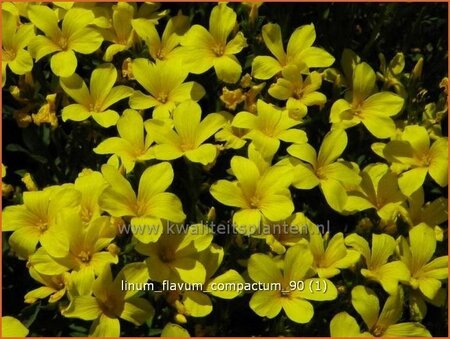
x=161 y=54
x=162 y=97
x=63 y=43
x=42 y=225
x=95 y=107
x=186 y=146
x=84 y=256
x=254 y=201
x=219 y=49
x=166 y=255
x=378 y=331
x=298 y=92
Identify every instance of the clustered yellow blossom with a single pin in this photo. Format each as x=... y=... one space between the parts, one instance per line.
x=160 y=146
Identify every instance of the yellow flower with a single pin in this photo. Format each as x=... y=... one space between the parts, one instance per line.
x=14 y=41
x=11 y=327
x=131 y=146
x=175 y=256
x=378 y=189
x=86 y=248
x=300 y=52
x=232 y=98
x=205 y=49
x=268 y=127
x=121 y=33
x=299 y=93
x=164 y=81
x=292 y=299
x=35 y=221
x=174 y=331
x=364 y=105
x=74 y=36
x=431 y=213
x=414 y=151
x=285 y=233
x=199 y=304
x=109 y=302
x=28 y=180
x=47 y=112
x=232 y=136
x=330 y=255
x=166 y=46
x=90 y=184
x=426 y=274
x=96 y=100
x=189 y=135
x=54 y=287
x=379 y=324
x=196 y=303
x=322 y=169
x=149 y=206
x=7 y=189
x=388 y=274
x=256 y=193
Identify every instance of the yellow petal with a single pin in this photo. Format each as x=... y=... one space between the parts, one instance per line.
x=45 y=19
x=298 y=310
x=247 y=221
x=22 y=63
x=228 y=193
x=85 y=41
x=198 y=304
x=302 y=38
x=174 y=331
x=410 y=181
x=236 y=44
x=363 y=81
x=208 y=126
x=204 y=154
x=276 y=206
x=64 y=63
x=83 y=307
x=11 y=327
x=221 y=22
x=105 y=327
x=314 y=57
x=438 y=167
x=166 y=206
x=106 y=118
x=102 y=81
x=344 y=325
x=384 y=103
x=76 y=88
x=231 y=277
x=228 y=68
x=75 y=112
x=137 y=311
x=381 y=126
x=265 y=67
x=119 y=198
x=271 y=34
x=407 y=329
x=366 y=303
x=334 y=193
x=262 y=268
x=154 y=180
x=333 y=145
x=266 y=303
